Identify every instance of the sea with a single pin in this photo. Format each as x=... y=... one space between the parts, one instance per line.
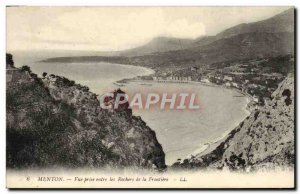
x=182 y=133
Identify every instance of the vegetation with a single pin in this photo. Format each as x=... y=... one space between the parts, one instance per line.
x=45 y=130
x=9 y=60
x=26 y=68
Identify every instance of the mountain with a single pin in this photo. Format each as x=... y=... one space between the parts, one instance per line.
x=283 y=22
x=268 y=38
x=265 y=139
x=159 y=44
x=52 y=121
x=242 y=46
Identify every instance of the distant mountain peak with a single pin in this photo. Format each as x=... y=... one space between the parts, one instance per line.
x=159 y=44
x=282 y=22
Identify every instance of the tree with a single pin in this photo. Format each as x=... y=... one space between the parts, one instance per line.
x=26 y=68
x=9 y=60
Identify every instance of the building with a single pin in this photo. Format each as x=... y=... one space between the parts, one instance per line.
x=266 y=100
x=227 y=78
x=235 y=84
x=194 y=68
x=205 y=80
x=252 y=85
x=255 y=98
x=228 y=84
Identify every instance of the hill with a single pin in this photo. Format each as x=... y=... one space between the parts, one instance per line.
x=265 y=139
x=242 y=46
x=159 y=44
x=55 y=122
x=268 y=38
x=283 y=22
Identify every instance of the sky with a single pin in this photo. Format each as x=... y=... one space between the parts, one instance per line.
x=119 y=28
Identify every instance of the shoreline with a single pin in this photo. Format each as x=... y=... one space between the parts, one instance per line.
x=209 y=146
x=186 y=82
x=149 y=71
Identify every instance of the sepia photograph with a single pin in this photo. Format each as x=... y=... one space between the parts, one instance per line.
x=157 y=97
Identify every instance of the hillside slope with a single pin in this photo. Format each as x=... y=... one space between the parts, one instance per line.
x=283 y=22
x=267 y=38
x=265 y=139
x=243 y=46
x=55 y=122
x=158 y=44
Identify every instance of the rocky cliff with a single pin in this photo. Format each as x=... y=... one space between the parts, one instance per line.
x=265 y=139
x=55 y=122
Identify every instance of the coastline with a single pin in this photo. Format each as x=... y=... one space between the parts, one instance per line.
x=208 y=146
x=149 y=71
x=99 y=77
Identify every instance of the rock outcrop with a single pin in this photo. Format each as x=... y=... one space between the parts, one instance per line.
x=55 y=122
x=264 y=140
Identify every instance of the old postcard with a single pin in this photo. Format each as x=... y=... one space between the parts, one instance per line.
x=150 y=97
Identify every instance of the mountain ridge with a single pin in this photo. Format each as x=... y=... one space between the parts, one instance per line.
x=158 y=44
x=278 y=23
x=270 y=37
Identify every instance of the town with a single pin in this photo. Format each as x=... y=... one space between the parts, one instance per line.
x=257 y=78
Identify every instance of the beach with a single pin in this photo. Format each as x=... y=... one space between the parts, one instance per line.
x=183 y=133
